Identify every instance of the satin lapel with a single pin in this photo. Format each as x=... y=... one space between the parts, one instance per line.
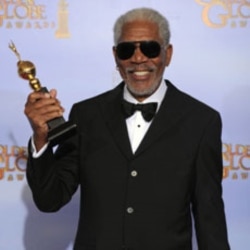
x=111 y=109
x=168 y=115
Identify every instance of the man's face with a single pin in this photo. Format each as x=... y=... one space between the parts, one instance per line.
x=141 y=73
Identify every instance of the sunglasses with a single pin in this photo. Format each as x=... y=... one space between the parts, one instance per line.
x=150 y=49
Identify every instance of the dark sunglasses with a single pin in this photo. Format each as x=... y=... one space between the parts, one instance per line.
x=150 y=49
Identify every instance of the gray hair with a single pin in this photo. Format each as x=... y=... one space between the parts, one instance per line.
x=144 y=14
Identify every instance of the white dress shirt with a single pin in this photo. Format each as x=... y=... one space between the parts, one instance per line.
x=137 y=127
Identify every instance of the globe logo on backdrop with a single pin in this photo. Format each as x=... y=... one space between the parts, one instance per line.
x=223 y=13
x=236 y=160
x=27 y=14
x=13 y=161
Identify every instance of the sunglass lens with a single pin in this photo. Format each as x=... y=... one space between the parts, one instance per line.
x=150 y=49
x=125 y=50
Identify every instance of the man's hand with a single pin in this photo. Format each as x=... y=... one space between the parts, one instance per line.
x=39 y=109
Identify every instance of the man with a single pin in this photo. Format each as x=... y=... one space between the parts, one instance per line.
x=142 y=175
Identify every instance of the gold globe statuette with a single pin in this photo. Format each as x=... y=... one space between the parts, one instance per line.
x=27 y=71
x=59 y=129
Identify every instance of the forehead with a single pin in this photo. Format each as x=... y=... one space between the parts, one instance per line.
x=140 y=31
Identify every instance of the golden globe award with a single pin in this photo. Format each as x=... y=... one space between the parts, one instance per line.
x=59 y=129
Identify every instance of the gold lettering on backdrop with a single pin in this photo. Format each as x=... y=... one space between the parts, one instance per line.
x=21 y=10
x=236 y=159
x=219 y=13
x=12 y=162
x=62 y=30
x=24 y=14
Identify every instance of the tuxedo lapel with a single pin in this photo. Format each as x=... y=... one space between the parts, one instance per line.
x=112 y=112
x=168 y=115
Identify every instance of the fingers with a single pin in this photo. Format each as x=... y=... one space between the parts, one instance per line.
x=34 y=96
x=39 y=109
x=43 y=108
x=53 y=93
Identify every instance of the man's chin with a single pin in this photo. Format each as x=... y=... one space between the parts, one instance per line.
x=140 y=94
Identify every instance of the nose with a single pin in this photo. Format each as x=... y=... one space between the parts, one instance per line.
x=138 y=56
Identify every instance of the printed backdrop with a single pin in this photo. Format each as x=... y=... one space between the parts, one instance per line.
x=70 y=42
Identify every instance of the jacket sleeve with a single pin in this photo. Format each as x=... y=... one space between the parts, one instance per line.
x=208 y=206
x=54 y=177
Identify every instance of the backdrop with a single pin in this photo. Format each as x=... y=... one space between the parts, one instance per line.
x=70 y=43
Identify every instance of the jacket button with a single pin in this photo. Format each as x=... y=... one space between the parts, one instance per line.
x=130 y=210
x=134 y=173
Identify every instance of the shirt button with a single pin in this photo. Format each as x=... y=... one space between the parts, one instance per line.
x=130 y=210
x=134 y=173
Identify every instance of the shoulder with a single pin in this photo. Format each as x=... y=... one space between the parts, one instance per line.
x=93 y=107
x=106 y=96
x=186 y=101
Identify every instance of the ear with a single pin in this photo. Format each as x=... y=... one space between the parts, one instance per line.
x=114 y=54
x=169 y=52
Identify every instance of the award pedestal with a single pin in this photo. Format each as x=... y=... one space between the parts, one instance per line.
x=60 y=130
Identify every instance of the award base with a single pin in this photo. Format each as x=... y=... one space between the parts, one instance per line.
x=59 y=130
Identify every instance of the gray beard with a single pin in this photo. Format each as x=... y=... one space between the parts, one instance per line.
x=145 y=93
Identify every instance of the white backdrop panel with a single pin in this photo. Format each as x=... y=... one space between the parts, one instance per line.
x=70 y=43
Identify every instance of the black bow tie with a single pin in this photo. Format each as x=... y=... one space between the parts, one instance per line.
x=147 y=109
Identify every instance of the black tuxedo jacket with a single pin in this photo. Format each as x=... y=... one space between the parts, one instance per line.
x=145 y=200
